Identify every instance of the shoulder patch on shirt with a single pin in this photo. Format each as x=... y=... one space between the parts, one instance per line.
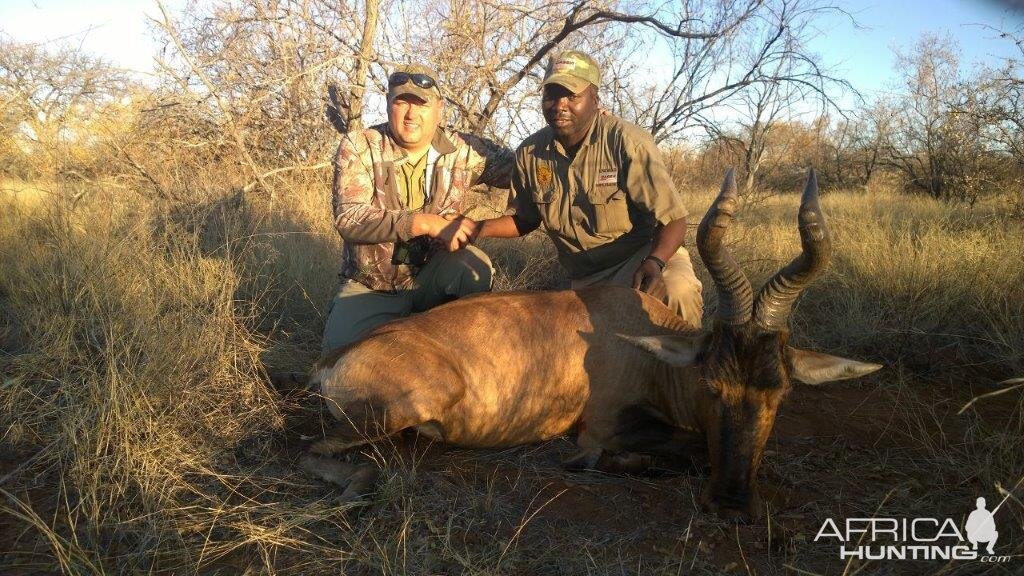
x=607 y=177
x=543 y=176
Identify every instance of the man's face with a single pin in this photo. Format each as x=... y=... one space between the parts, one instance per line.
x=569 y=115
x=414 y=121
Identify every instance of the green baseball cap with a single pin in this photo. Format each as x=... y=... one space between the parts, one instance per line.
x=574 y=70
x=415 y=79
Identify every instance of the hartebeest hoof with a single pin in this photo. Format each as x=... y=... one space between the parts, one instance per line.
x=356 y=480
x=625 y=463
x=614 y=463
x=336 y=445
x=287 y=382
x=340 y=439
x=582 y=460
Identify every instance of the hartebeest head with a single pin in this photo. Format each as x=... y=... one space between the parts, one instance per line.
x=746 y=365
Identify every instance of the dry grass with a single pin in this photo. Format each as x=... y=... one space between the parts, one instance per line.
x=138 y=434
x=938 y=288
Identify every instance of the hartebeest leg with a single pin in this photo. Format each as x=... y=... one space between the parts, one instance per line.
x=583 y=460
x=339 y=439
x=410 y=401
x=600 y=450
x=359 y=424
x=607 y=461
x=627 y=442
x=356 y=480
x=642 y=429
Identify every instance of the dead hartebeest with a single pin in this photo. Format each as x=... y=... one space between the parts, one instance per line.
x=615 y=364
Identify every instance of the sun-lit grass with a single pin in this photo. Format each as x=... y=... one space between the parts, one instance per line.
x=136 y=336
x=936 y=287
x=26 y=194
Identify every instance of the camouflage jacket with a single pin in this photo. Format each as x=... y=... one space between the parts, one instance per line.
x=369 y=212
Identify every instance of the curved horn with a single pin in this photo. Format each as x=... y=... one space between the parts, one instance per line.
x=775 y=300
x=735 y=298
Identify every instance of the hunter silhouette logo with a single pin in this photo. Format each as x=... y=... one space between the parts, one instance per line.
x=916 y=538
x=981 y=527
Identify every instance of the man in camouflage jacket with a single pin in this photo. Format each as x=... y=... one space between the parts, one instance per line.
x=398 y=194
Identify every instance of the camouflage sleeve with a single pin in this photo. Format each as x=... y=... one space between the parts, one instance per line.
x=356 y=218
x=526 y=213
x=648 y=181
x=490 y=162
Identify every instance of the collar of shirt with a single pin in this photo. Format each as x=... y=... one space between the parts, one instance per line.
x=413 y=181
x=441 y=144
x=431 y=159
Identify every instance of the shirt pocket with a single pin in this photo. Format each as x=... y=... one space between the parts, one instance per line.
x=611 y=210
x=547 y=207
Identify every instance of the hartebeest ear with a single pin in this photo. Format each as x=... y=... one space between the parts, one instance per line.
x=673 y=350
x=817 y=368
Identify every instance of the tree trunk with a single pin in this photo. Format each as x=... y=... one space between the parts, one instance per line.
x=366 y=54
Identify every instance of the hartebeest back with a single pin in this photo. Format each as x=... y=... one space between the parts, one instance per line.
x=619 y=366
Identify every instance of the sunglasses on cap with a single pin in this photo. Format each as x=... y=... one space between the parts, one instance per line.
x=421 y=80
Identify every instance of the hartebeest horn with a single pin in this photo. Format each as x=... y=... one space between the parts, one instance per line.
x=735 y=298
x=775 y=300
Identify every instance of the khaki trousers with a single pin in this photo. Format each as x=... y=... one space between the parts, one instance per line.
x=681 y=283
x=357 y=309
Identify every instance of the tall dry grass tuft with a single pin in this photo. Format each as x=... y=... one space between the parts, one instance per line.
x=132 y=370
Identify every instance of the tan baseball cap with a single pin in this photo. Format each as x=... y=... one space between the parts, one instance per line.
x=415 y=79
x=574 y=70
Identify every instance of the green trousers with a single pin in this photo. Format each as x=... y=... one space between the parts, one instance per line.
x=357 y=309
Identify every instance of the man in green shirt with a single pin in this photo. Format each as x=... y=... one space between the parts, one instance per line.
x=599 y=186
